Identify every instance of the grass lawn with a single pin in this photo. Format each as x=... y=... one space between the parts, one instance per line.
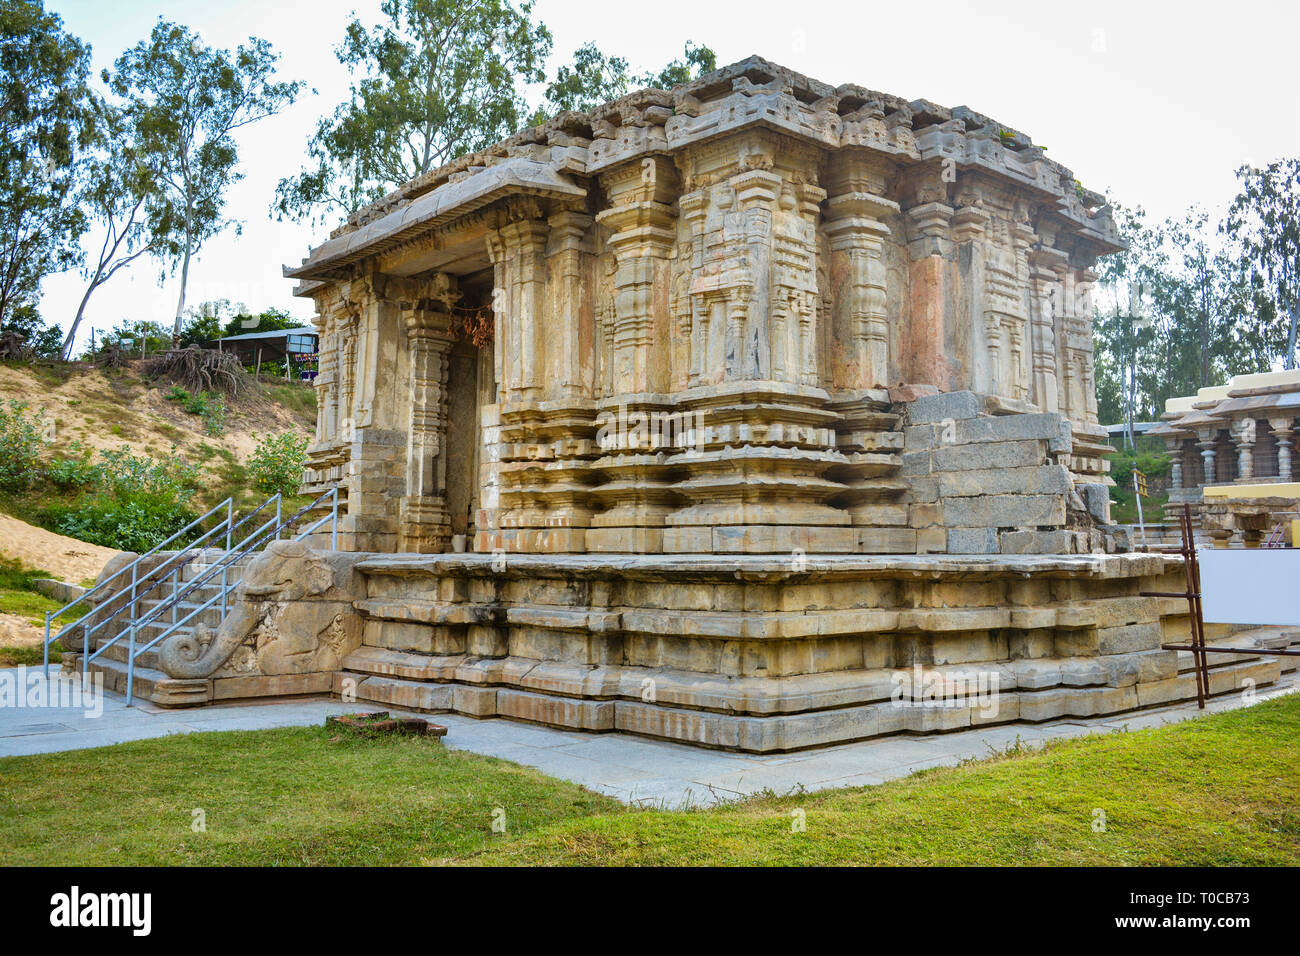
x=1219 y=790
x=19 y=597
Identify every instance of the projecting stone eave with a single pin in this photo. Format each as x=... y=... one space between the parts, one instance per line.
x=753 y=93
x=512 y=176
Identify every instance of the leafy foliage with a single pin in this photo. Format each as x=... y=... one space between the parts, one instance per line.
x=1204 y=319
x=209 y=407
x=46 y=125
x=1265 y=219
x=184 y=101
x=35 y=338
x=276 y=464
x=437 y=79
x=595 y=78
x=137 y=502
x=23 y=438
x=122 y=194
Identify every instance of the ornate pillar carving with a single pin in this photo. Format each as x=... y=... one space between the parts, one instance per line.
x=1207 y=439
x=1175 y=448
x=856 y=229
x=1283 y=434
x=569 y=252
x=1047 y=267
x=642 y=224
x=1243 y=433
x=424 y=525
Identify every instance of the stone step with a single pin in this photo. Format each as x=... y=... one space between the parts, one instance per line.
x=150 y=684
x=397 y=692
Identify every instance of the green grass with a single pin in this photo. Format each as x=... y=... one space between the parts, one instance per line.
x=1219 y=790
x=296 y=796
x=18 y=596
x=299 y=398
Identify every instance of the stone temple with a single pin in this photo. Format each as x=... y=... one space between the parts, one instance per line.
x=757 y=413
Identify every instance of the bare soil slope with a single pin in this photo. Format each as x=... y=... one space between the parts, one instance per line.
x=105 y=409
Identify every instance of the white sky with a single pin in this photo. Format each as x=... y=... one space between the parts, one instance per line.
x=1155 y=103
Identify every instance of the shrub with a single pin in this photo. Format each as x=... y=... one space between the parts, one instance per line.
x=276 y=464
x=137 y=503
x=77 y=471
x=209 y=407
x=22 y=439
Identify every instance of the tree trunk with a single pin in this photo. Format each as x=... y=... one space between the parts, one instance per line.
x=180 y=302
x=66 y=351
x=1290 y=338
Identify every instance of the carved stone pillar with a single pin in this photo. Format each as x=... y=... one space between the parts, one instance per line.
x=1208 y=438
x=1175 y=449
x=931 y=250
x=860 y=322
x=424 y=525
x=570 y=362
x=1047 y=266
x=642 y=224
x=1283 y=434
x=1244 y=435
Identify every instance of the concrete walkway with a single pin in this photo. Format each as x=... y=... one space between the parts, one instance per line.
x=632 y=769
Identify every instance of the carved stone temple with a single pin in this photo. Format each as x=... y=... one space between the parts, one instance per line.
x=751 y=414
x=682 y=324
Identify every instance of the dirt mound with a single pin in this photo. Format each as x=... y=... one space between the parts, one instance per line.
x=64 y=558
x=108 y=409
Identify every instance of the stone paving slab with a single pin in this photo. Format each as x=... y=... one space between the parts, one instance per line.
x=635 y=770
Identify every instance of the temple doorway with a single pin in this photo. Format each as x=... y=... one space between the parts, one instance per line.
x=471 y=384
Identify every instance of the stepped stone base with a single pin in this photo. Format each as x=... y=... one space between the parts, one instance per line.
x=767 y=654
x=749 y=652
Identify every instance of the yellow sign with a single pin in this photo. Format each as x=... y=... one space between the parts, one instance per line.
x=1140 y=483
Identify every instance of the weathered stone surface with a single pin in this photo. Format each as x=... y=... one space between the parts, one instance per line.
x=949 y=406
x=1000 y=511
x=987 y=455
x=973 y=541
x=1042 y=480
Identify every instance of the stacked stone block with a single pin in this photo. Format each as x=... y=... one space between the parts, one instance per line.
x=990 y=478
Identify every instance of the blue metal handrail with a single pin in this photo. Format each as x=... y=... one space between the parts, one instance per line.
x=133 y=567
x=232 y=556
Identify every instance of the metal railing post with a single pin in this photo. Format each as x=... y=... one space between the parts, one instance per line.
x=334 y=519
x=279 y=516
x=130 y=666
x=230 y=519
x=46 y=664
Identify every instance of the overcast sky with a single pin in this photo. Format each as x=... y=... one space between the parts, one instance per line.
x=1154 y=103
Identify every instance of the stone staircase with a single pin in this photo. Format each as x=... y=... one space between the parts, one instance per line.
x=151 y=683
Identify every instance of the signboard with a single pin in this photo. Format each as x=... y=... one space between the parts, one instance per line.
x=1250 y=585
x=299 y=344
x=1140 y=482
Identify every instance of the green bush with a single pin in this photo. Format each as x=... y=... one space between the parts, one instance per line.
x=276 y=464
x=137 y=502
x=68 y=473
x=211 y=408
x=22 y=439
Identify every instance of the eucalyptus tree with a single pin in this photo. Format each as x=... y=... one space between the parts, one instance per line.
x=436 y=79
x=1265 y=220
x=47 y=123
x=184 y=102
x=125 y=199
